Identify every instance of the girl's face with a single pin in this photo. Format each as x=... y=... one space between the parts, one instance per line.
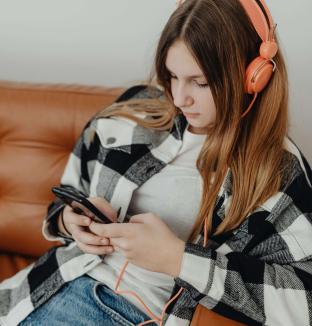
x=190 y=91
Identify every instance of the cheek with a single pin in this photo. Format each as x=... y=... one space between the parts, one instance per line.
x=209 y=108
x=213 y=111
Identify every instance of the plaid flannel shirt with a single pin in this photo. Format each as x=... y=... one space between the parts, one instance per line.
x=258 y=274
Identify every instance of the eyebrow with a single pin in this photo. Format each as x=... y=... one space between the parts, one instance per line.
x=192 y=76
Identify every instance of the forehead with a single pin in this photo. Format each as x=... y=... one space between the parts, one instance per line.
x=181 y=62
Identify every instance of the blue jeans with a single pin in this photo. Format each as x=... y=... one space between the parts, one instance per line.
x=86 y=302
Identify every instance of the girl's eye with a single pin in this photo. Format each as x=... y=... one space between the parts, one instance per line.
x=202 y=85
x=199 y=85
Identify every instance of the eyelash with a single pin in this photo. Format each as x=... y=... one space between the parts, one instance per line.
x=202 y=85
x=199 y=85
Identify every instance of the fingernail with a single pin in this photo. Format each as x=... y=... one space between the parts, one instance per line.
x=104 y=241
x=86 y=221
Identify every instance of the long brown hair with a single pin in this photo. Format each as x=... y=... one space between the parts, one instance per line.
x=223 y=41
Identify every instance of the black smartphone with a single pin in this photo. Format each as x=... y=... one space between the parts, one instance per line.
x=80 y=204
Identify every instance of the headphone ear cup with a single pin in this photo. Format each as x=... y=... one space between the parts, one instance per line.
x=258 y=74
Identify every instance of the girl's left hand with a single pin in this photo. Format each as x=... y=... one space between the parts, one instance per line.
x=145 y=241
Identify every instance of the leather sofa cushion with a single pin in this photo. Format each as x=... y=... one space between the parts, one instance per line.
x=39 y=127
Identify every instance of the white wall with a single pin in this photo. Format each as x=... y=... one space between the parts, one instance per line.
x=112 y=43
x=85 y=41
x=295 y=26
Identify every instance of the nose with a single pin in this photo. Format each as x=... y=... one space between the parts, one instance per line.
x=181 y=98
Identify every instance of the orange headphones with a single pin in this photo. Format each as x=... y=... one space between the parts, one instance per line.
x=260 y=70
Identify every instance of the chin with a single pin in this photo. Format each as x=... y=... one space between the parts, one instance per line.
x=197 y=130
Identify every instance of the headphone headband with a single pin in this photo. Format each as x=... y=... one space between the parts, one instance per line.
x=261 y=18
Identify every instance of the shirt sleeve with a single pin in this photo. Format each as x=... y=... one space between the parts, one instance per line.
x=76 y=176
x=262 y=275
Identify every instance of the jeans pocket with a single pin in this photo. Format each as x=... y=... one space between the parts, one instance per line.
x=117 y=307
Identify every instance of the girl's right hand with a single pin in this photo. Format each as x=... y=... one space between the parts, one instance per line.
x=78 y=226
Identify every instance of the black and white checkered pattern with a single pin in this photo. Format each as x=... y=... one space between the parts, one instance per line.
x=259 y=274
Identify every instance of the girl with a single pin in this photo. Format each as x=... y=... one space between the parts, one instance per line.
x=213 y=197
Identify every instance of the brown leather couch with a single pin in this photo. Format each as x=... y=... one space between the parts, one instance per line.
x=39 y=125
